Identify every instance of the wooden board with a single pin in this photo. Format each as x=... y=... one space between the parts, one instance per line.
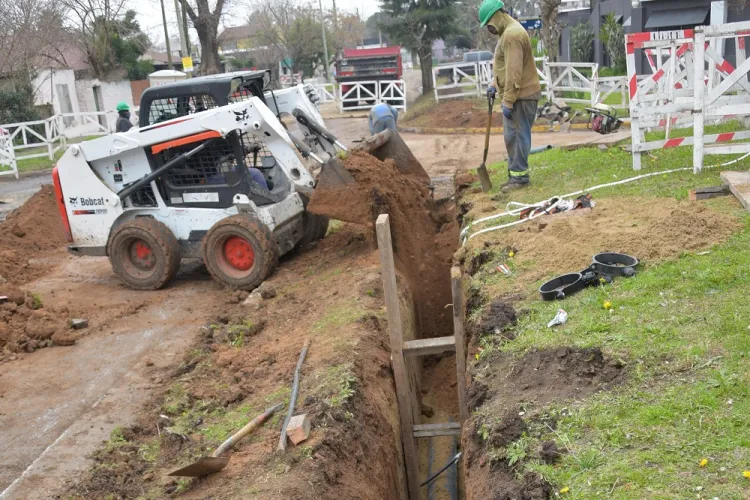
x=423 y=347
x=400 y=375
x=709 y=192
x=739 y=184
x=459 y=334
x=433 y=430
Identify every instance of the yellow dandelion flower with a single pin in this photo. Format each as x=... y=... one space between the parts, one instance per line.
x=511 y=254
x=746 y=474
x=703 y=462
x=608 y=305
x=564 y=490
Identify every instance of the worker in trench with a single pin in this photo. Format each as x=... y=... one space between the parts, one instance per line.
x=123 y=123
x=516 y=83
x=382 y=117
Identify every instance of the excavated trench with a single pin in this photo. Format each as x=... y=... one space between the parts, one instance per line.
x=424 y=233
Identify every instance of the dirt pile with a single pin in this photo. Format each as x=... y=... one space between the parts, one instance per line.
x=25 y=325
x=456 y=113
x=539 y=378
x=27 y=234
x=425 y=235
x=650 y=230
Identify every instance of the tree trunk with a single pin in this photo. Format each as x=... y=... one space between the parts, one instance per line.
x=210 y=62
x=551 y=29
x=425 y=62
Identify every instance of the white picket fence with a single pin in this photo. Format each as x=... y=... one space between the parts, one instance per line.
x=8 y=164
x=689 y=83
x=459 y=80
x=326 y=91
x=365 y=95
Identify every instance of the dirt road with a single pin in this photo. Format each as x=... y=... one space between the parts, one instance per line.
x=57 y=405
x=443 y=154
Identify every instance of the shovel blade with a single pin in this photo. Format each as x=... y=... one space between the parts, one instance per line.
x=203 y=467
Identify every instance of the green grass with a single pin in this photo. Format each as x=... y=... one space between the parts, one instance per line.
x=340 y=315
x=44 y=163
x=682 y=329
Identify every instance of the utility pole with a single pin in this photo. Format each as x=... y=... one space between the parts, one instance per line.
x=335 y=18
x=325 y=43
x=166 y=35
x=185 y=27
x=183 y=44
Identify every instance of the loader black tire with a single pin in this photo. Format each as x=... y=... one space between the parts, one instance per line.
x=314 y=228
x=240 y=252
x=144 y=253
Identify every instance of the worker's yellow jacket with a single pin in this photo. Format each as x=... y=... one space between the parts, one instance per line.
x=515 y=72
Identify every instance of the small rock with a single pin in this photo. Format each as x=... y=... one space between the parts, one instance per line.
x=254 y=299
x=79 y=323
x=602 y=147
x=267 y=291
x=17 y=231
x=149 y=362
x=63 y=337
x=31 y=346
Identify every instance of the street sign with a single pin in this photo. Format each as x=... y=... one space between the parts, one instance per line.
x=187 y=64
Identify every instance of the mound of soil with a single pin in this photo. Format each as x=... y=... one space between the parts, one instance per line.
x=425 y=235
x=25 y=326
x=27 y=233
x=650 y=230
x=456 y=113
x=540 y=377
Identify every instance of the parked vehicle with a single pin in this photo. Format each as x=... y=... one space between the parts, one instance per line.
x=469 y=58
x=368 y=65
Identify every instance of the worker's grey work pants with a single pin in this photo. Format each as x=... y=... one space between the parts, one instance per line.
x=517 y=132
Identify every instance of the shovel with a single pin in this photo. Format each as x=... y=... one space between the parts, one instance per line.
x=484 y=177
x=208 y=465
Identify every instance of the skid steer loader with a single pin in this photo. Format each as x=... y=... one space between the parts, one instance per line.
x=213 y=173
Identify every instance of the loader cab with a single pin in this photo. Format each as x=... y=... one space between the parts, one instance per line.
x=237 y=163
x=178 y=99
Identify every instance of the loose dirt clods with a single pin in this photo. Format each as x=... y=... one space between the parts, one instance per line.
x=649 y=229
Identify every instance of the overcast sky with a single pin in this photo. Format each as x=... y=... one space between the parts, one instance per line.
x=149 y=14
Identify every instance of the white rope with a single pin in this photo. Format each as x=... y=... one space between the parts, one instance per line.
x=556 y=200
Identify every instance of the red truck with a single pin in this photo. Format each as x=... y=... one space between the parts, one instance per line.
x=368 y=65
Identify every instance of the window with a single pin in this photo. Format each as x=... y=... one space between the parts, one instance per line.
x=162 y=110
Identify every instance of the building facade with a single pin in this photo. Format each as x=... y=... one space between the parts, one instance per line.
x=638 y=16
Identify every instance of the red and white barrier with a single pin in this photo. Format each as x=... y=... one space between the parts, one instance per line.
x=689 y=82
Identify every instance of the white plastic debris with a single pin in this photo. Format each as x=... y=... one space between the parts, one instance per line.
x=560 y=318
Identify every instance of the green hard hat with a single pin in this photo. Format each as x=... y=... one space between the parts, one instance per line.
x=488 y=9
x=123 y=106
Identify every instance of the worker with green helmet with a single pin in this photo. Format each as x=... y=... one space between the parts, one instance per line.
x=517 y=82
x=123 y=118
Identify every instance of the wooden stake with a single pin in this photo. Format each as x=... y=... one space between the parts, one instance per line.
x=459 y=333
x=395 y=328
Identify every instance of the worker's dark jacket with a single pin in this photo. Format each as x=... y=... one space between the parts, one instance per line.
x=122 y=124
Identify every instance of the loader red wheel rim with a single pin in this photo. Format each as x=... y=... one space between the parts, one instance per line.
x=239 y=253
x=142 y=255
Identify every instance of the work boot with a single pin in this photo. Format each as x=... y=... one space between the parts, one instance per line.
x=513 y=185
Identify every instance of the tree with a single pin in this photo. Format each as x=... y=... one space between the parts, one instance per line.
x=551 y=28
x=31 y=32
x=582 y=43
x=612 y=36
x=95 y=22
x=416 y=24
x=295 y=29
x=206 y=24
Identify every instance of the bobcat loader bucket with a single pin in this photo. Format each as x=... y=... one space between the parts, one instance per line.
x=339 y=195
